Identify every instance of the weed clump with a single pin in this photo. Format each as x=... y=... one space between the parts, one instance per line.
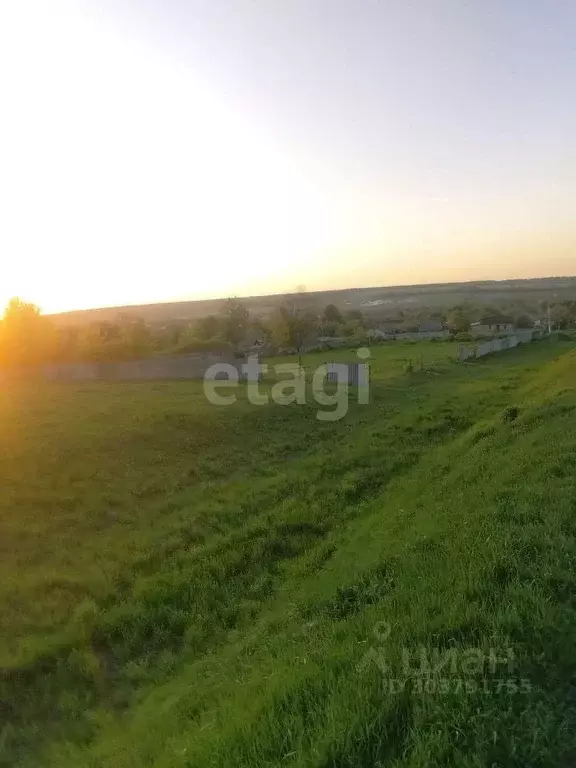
x=510 y=414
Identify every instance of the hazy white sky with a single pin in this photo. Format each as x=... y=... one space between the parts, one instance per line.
x=162 y=149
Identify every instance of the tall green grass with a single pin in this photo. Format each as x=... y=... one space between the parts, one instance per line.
x=192 y=586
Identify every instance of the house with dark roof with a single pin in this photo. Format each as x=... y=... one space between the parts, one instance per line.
x=431 y=326
x=493 y=325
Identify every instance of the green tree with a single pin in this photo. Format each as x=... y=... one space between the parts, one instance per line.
x=352 y=328
x=330 y=328
x=332 y=314
x=110 y=331
x=235 y=321
x=27 y=338
x=67 y=341
x=459 y=319
x=137 y=338
x=560 y=316
x=523 y=321
x=291 y=326
x=207 y=328
x=174 y=332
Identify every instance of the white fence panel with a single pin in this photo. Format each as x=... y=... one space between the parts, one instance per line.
x=497 y=345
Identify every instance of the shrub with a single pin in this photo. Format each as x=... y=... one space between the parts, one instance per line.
x=510 y=414
x=200 y=345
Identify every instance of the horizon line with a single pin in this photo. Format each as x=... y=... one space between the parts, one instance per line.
x=311 y=292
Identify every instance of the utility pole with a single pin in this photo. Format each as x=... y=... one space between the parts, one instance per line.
x=549 y=320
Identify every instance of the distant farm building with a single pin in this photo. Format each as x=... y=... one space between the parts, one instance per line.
x=491 y=325
x=431 y=326
x=388 y=330
x=431 y=329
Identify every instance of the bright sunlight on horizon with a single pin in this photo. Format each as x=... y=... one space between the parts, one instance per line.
x=176 y=150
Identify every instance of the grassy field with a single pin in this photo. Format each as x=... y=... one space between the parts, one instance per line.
x=185 y=586
x=388 y=358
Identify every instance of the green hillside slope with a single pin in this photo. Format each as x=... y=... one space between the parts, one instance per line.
x=249 y=587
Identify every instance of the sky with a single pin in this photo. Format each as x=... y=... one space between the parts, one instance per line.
x=159 y=150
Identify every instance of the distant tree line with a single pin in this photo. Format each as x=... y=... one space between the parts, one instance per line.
x=29 y=339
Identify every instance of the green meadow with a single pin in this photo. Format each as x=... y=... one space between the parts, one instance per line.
x=187 y=586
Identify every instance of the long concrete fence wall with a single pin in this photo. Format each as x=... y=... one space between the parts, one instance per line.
x=416 y=336
x=467 y=352
x=190 y=366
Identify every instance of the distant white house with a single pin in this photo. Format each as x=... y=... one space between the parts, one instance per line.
x=378 y=333
x=385 y=331
x=333 y=341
